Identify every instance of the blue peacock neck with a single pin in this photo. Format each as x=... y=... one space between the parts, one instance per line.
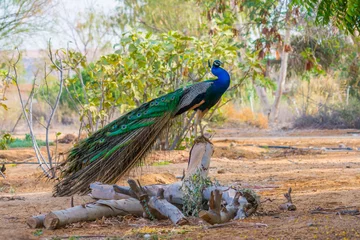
x=223 y=80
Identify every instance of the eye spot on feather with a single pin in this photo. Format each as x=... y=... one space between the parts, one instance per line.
x=145 y=112
x=163 y=99
x=114 y=127
x=151 y=104
x=138 y=115
x=102 y=140
x=156 y=103
x=173 y=97
x=123 y=127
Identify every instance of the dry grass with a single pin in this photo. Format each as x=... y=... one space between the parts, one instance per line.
x=320 y=90
x=247 y=116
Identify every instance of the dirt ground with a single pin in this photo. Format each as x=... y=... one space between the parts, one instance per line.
x=326 y=179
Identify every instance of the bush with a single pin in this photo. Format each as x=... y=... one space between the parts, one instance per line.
x=5 y=140
x=247 y=116
x=27 y=142
x=332 y=117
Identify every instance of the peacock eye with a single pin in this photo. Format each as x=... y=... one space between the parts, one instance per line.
x=172 y=98
x=123 y=126
x=139 y=114
x=162 y=99
x=151 y=104
x=114 y=127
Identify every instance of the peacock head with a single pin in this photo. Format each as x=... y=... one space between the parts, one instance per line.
x=217 y=63
x=216 y=67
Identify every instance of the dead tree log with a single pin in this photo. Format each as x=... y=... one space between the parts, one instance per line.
x=157 y=201
x=213 y=215
x=93 y=211
x=167 y=209
x=156 y=206
x=36 y=221
x=216 y=214
x=106 y=192
x=289 y=206
x=230 y=211
x=200 y=155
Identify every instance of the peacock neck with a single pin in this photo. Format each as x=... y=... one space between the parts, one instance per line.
x=223 y=77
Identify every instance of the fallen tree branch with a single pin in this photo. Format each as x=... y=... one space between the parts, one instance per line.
x=106 y=192
x=36 y=221
x=289 y=206
x=338 y=211
x=213 y=216
x=167 y=209
x=93 y=211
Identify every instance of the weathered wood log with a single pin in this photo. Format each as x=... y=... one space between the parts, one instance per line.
x=167 y=209
x=289 y=206
x=174 y=195
x=36 y=221
x=106 y=192
x=230 y=211
x=213 y=215
x=93 y=211
x=143 y=197
x=199 y=159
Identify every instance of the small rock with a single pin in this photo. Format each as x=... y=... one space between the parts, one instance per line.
x=233 y=144
x=146 y=236
x=221 y=171
x=348 y=166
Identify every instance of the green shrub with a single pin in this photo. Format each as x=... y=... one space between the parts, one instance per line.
x=26 y=143
x=5 y=140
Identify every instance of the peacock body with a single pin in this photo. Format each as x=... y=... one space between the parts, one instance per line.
x=113 y=150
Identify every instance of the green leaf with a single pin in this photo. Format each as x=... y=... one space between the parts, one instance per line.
x=4 y=106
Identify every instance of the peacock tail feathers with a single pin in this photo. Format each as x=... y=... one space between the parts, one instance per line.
x=113 y=150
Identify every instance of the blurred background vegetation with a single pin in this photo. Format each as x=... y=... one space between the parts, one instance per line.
x=292 y=63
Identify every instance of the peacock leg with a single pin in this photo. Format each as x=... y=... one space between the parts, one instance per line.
x=199 y=116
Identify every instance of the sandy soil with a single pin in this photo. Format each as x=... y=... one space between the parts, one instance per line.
x=318 y=179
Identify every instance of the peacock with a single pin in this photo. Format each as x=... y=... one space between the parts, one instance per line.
x=110 y=152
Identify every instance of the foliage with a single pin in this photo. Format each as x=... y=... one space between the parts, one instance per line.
x=344 y=14
x=192 y=193
x=5 y=140
x=160 y=16
x=246 y=115
x=143 y=67
x=308 y=54
x=332 y=117
x=27 y=142
x=90 y=32
x=161 y=163
x=4 y=84
x=38 y=232
x=21 y=17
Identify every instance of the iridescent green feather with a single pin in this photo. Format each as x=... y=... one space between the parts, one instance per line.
x=118 y=146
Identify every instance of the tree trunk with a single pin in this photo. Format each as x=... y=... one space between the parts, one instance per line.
x=261 y=92
x=200 y=155
x=283 y=71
